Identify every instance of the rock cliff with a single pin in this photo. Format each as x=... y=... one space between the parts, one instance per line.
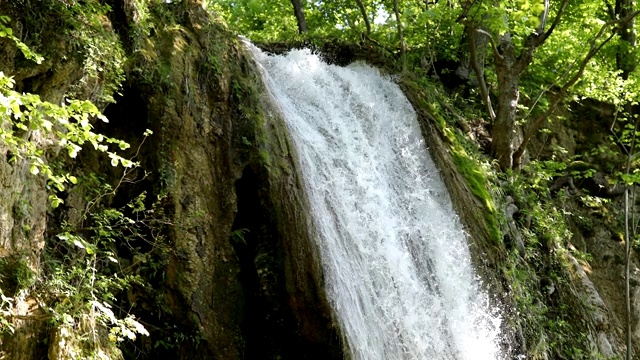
x=239 y=278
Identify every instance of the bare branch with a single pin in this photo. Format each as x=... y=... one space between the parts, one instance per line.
x=543 y=17
x=39 y=317
x=556 y=21
x=479 y=72
x=403 y=44
x=466 y=6
x=539 y=121
x=610 y=10
x=376 y=43
x=496 y=53
x=627 y=246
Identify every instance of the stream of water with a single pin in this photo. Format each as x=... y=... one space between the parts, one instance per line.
x=397 y=267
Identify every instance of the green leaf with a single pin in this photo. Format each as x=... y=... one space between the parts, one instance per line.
x=55 y=201
x=73 y=150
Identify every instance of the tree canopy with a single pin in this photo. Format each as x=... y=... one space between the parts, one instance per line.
x=525 y=56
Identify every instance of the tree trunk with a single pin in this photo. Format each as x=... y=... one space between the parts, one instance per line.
x=363 y=11
x=475 y=59
x=627 y=243
x=509 y=67
x=625 y=59
x=504 y=131
x=299 y=12
x=403 y=45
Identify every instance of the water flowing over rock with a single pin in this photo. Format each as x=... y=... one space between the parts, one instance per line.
x=397 y=267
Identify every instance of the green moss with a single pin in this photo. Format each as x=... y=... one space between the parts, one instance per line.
x=265 y=157
x=15 y=275
x=477 y=181
x=75 y=40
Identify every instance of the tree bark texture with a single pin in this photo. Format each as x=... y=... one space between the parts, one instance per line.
x=625 y=58
x=626 y=62
x=504 y=131
x=475 y=60
x=509 y=68
x=403 y=45
x=627 y=244
x=299 y=12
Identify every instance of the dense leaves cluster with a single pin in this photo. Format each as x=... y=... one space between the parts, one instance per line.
x=530 y=54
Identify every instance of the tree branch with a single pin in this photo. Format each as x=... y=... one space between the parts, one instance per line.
x=539 y=121
x=376 y=43
x=536 y=40
x=496 y=53
x=556 y=21
x=627 y=246
x=403 y=44
x=610 y=10
x=363 y=11
x=479 y=72
x=467 y=6
x=543 y=18
x=299 y=13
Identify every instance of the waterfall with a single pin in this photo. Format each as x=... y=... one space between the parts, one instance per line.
x=397 y=267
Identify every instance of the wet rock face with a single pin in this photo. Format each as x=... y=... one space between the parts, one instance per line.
x=242 y=280
x=23 y=201
x=243 y=272
x=600 y=286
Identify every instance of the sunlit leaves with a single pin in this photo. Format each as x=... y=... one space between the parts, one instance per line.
x=7 y=32
x=67 y=126
x=257 y=19
x=79 y=275
x=83 y=280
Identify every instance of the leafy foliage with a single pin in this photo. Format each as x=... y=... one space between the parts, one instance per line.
x=7 y=32
x=30 y=125
x=81 y=270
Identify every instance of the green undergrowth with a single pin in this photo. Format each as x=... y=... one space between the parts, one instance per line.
x=476 y=178
x=540 y=277
x=95 y=249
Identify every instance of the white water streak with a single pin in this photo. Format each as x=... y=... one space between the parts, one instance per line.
x=397 y=267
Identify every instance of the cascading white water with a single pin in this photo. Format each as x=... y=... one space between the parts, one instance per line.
x=397 y=267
